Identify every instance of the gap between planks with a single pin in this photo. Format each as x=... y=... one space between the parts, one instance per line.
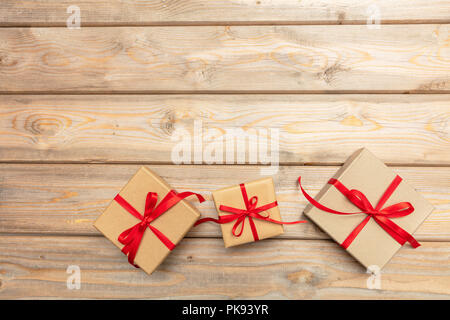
x=225 y=92
x=220 y=12
x=163 y=163
x=219 y=23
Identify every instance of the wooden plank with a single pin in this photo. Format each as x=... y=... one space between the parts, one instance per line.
x=66 y=199
x=35 y=267
x=146 y=128
x=150 y=12
x=394 y=58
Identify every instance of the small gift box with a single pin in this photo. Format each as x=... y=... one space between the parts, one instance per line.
x=248 y=212
x=147 y=219
x=368 y=209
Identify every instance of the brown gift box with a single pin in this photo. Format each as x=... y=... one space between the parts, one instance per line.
x=373 y=246
x=174 y=223
x=232 y=197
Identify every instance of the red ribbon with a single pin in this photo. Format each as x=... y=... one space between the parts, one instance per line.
x=132 y=237
x=381 y=216
x=251 y=211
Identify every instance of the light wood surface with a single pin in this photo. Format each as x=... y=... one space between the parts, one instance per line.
x=35 y=267
x=82 y=109
x=71 y=197
x=151 y=12
x=320 y=58
x=319 y=129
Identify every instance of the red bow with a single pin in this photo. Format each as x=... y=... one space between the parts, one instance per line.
x=381 y=216
x=132 y=237
x=251 y=211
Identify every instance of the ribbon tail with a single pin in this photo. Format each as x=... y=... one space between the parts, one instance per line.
x=222 y=219
x=130 y=252
x=203 y=220
x=284 y=222
x=319 y=205
x=186 y=194
x=399 y=234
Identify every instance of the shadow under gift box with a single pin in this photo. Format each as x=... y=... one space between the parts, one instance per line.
x=174 y=223
x=373 y=246
x=232 y=197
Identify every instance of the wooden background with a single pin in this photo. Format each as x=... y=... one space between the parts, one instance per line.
x=81 y=110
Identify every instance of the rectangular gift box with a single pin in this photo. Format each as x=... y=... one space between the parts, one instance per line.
x=232 y=197
x=373 y=246
x=174 y=223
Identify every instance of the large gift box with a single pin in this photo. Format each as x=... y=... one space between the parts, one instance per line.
x=248 y=212
x=147 y=219
x=368 y=209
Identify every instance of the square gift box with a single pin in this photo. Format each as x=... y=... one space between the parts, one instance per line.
x=253 y=229
x=147 y=219
x=385 y=220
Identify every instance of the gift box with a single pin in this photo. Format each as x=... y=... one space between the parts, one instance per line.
x=368 y=209
x=252 y=229
x=248 y=212
x=147 y=219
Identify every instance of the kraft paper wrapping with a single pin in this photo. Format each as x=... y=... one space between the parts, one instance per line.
x=373 y=246
x=232 y=197
x=174 y=223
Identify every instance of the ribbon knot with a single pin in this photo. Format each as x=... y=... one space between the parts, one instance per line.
x=131 y=238
x=251 y=211
x=381 y=216
x=146 y=221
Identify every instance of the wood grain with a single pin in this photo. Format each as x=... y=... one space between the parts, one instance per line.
x=35 y=268
x=319 y=129
x=119 y=90
x=346 y=58
x=67 y=198
x=150 y=12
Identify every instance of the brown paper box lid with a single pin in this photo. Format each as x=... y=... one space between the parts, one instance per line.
x=174 y=223
x=363 y=171
x=232 y=197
